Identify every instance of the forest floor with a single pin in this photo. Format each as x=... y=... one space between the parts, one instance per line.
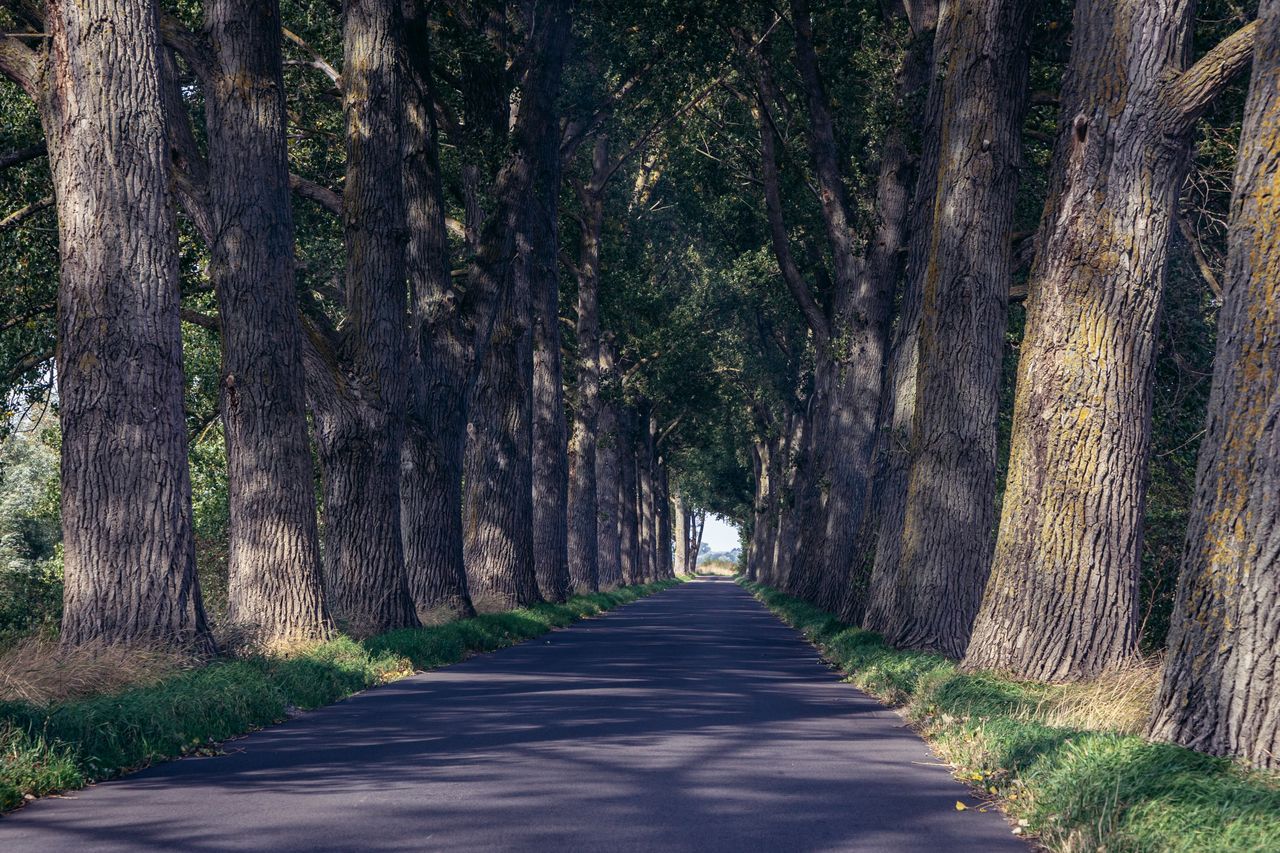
x=67 y=720
x=1065 y=762
x=692 y=720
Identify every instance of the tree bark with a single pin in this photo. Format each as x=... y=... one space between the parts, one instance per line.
x=584 y=564
x=1220 y=692
x=274 y=588
x=441 y=358
x=662 y=509
x=551 y=496
x=609 y=479
x=646 y=521
x=1062 y=599
x=981 y=60
x=359 y=407
x=683 y=524
x=129 y=556
x=628 y=499
x=897 y=403
x=498 y=477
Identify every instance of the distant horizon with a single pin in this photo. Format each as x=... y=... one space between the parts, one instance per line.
x=720 y=535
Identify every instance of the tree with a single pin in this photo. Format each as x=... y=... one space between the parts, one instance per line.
x=274 y=588
x=1219 y=691
x=980 y=61
x=129 y=558
x=1061 y=602
x=360 y=396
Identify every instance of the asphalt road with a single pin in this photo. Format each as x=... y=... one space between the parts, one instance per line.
x=692 y=720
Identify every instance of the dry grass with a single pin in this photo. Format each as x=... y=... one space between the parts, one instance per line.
x=1119 y=701
x=719 y=568
x=39 y=672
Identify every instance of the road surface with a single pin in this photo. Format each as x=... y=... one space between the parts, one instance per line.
x=692 y=720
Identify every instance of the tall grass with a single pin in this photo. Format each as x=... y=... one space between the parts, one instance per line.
x=56 y=736
x=1064 y=761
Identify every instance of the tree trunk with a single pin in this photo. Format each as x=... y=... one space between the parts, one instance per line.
x=1220 y=693
x=128 y=548
x=784 y=546
x=550 y=441
x=498 y=517
x=440 y=362
x=360 y=419
x=898 y=402
x=980 y=59
x=646 y=521
x=274 y=587
x=1062 y=600
x=608 y=481
x=662 y=508
x=683 y=533
x=628 y=499
x=860 y=388
x=584 y=567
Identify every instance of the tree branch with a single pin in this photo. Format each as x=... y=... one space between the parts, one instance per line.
x=20 y=64
x=16 y=218
x=1187 y=96
x=21 y=155
x=317 y=61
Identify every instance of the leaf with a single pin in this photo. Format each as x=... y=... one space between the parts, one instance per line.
x=960 y=806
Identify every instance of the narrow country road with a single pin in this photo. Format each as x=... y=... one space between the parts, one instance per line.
x=690 y=721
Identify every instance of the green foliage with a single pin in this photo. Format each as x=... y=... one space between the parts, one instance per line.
x=70 y=745
x=1077 y=789
x=30 y=536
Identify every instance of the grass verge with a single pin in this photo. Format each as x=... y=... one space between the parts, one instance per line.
x=65 y=745
x=1076 y=787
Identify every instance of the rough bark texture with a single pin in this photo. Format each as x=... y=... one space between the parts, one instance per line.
x=608 y=482
x=628 y=498
x=1221 y=689
x=662 y=509
x=897 y=403
x=359 y=413
x=551 y=499
x=498 y=477
x=440 y=362
x=981 y=57
x=584 y=567
x=129 y=555
x=860 y=384
x=1062 y=598
x=646 y=521
x=274 y=588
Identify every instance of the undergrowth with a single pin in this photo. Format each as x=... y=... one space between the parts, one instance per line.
x=59 y=745
x=1063 y=761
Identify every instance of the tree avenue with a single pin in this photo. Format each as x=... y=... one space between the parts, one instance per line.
x=357 y=319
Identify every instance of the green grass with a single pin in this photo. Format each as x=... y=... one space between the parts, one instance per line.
x=69 y=745
x=1077 y=789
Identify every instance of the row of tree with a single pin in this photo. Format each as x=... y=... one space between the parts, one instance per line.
x=915 y=292
x=881 y=497
x=425 y=377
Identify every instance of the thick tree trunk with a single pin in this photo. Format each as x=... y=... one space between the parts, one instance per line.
x=498 y=477
x=274 y=588
x=440 y=363
x=784 y=546
x=584 y=566
x=646 y=520
x=128 y=549
x=1062 y=600
x=859 y=387
x=898 y=401
x=630 y=561
x=360 y=419
x=662 y=508
x=551 y=498
x=1221 y=690
x=981 y=60
x=608 y=481
x=683 y=522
